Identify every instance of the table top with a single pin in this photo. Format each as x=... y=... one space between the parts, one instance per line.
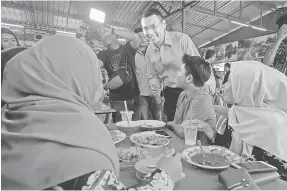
x=97 y=108
x=196 y=178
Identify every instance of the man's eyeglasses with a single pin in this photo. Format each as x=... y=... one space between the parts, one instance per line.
x=153 y=27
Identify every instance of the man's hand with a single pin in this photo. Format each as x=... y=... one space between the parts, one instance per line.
x=155 y=86
x=115 y=83
x=282 y=33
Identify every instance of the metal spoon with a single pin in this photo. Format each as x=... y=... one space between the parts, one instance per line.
x=202 y=152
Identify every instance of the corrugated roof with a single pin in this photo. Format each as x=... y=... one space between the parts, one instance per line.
x=203 y=22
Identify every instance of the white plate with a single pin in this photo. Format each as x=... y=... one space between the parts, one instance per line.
x=120 y=136
x=147 y=134
x=131 y=124
x=192 y=151
x=151 y=124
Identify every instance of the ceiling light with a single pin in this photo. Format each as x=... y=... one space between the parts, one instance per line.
x=257 y=28
x=65 y=32
x=12 y=25
x=97 y=15
x=238 y=23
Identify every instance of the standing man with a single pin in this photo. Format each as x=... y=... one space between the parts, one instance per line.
x=210 y=85
x=227 y=72
x=150 y=108
x=277 y=54
x=119 y=61
x=164 y=58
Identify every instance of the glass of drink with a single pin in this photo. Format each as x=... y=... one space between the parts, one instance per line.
x=190 y=132
x=127 y=115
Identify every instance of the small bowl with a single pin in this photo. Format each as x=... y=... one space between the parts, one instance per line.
x=124 y=126
x=143 y=167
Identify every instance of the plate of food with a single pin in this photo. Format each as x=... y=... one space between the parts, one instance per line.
x=215 y=157
x=151 y=124
x=117 y=136
x=149 y=139
x=129 y=156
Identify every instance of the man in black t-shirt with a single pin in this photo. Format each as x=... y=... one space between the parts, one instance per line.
x=119 y=61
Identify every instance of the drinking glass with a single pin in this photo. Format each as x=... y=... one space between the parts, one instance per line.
x=127 y=115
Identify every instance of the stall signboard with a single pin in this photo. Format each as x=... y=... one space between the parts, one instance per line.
x=33 y=34
x=235 y=51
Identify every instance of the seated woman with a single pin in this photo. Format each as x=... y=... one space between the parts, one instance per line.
x=194 y=103
x=50 y=135
x=8 y=39
x=259 y=112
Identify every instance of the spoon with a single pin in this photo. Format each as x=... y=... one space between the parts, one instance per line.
x=202 y=152
x=151 y=166
x=201 y=149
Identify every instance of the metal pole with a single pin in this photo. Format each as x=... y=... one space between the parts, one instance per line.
x=240 y=11
x=214 y=12
x=261 y=12
x=183 y=18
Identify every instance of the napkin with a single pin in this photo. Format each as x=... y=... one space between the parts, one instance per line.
x=237 y=179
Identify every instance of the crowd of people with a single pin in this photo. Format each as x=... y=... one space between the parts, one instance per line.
x=50 y=135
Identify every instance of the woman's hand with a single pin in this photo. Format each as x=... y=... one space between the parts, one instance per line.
x=171 y=165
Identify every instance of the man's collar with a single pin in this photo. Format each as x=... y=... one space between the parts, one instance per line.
x=167 y=38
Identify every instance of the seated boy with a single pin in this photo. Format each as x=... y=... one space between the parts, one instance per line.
x=194 y=103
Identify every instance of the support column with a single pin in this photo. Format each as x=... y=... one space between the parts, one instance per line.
x=183 y=19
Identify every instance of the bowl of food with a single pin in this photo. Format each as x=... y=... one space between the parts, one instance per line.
x=151 y=124
x=145 y=167
x=149 y=139
x=215 y=157
x=131 y=127
x=129 y=156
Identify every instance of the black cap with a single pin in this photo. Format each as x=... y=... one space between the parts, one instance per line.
x=281 y=20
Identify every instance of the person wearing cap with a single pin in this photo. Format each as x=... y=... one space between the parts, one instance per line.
x=119 y=61
x=277 y=54
x=164 y=58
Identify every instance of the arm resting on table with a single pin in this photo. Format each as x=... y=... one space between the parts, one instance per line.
x=107 y=180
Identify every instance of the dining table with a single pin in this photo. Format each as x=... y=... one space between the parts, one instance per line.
x=196 y=178
x=103 y=109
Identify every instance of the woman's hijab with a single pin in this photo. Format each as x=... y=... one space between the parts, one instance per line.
x=49 y=131
x=259 y=113
x=7 y=55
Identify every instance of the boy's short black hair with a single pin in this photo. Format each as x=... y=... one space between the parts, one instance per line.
x=198 y=68
x=281 y=21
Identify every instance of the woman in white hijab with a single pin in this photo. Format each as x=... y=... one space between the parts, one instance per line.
x=259 y=112
x=50 y=135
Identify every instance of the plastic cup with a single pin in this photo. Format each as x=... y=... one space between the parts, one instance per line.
x=127 y=115
x=190 y=132
x=190 y=136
